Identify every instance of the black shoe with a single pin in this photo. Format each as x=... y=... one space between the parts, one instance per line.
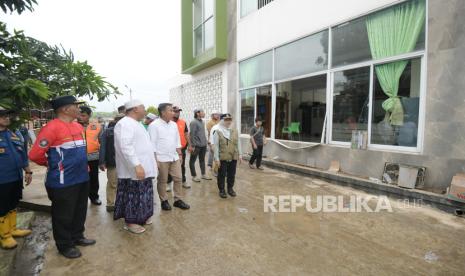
x=165 y=205
x=110 y=209
x=223 y=194
x=96 y=201
x=231 y=192
x=71 y=253
x=181 y=205
x=84 y=242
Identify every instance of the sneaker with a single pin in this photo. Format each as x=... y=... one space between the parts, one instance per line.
x=168 y=187
x=165 y=205
x=223 y=194
x=206 y=177
x=231 y=192
x=181 y=205
x=260 y=168
x=195 y=179
x=186 y=185
x=251 y=166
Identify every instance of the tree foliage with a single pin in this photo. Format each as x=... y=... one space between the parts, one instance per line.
x=152 y=109
x=17 y=5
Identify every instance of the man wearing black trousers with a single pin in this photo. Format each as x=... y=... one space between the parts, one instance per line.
x=92 y=133
x=257 y=139
x=61 y=147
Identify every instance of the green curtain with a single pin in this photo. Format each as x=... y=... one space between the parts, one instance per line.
x=393 y=32
x=248 y=70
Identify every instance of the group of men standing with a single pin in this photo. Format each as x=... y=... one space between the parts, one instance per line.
x=73 y=149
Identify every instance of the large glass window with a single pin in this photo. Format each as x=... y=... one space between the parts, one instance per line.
x=405 y=132
x=204 y=28
x=304 y=56
x=301 y=109
x=350 y=103
x=256 y=70
x=247 y=110
x=350 y=41
x=264 y=100
x=248 y=6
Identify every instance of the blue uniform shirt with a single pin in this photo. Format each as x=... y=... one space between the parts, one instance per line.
x=13 y=156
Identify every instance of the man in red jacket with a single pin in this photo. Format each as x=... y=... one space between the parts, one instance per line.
x=61 y=147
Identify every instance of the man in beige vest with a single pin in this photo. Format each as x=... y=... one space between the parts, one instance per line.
x=227 y=152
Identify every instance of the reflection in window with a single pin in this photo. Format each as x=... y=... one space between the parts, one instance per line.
x=209 y=34
x=304 y=56
x=256 y=70
x=301 y=109
x=247 y=110
x=264 y=107
x=350 y=103
x=383 y=132
x=198 y=41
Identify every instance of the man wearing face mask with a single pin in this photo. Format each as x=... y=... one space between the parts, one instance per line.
x=227 y=152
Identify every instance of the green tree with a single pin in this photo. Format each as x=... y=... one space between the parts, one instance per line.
x=17 y=5
x=152 y=109
x=32 y=72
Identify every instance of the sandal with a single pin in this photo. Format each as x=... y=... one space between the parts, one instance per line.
x=134 y=228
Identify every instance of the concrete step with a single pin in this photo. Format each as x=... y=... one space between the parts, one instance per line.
x=436 y=200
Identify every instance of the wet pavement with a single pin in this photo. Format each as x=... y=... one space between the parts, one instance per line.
x=235 y=236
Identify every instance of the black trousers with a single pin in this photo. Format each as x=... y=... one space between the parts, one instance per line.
x=94 y=183
x=257 y=155
x=183 y=166
x=10 y=194
x=200 y=152
x=226 y=171
x=69 y=210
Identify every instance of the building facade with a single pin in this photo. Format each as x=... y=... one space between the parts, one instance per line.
x=362 y=82
x=208 y=57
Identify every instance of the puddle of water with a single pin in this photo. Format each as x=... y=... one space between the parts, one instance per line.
x=430 y=257
x=243 y=210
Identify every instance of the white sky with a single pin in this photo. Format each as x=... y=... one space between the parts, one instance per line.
x=135 y=43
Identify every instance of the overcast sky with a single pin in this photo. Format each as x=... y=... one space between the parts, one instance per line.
x=135 y=43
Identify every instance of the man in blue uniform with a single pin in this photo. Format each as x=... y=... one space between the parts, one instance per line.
x=61 y=147
x=13 y=161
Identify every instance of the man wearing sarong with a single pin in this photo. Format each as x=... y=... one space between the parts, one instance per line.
x=136 y=168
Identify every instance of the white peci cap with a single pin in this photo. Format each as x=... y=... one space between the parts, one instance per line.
x=151 y=116
x=132 y=104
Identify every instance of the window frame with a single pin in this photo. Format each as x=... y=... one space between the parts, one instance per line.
x=203 y=21
x=327 y=127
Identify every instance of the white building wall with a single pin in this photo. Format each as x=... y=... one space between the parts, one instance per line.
x=206 y=89
x=282 y=21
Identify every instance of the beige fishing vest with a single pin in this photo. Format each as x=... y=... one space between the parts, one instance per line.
x=228 y=148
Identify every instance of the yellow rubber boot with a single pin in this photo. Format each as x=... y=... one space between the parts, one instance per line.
x=6 y=240
x=17 y=233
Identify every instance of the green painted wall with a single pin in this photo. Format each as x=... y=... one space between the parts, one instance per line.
x=218 y=53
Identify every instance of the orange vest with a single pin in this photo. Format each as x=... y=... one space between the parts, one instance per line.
x=92 y=133
x=182 y=128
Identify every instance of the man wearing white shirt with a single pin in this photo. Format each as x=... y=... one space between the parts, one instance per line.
x=166 y=144
x=136 y=168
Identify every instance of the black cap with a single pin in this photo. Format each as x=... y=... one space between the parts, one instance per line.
x=226 y=116
x=86 y=109
x=4 y=111
x=63 y=101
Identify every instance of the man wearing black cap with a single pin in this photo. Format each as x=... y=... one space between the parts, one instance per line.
x=61 y=147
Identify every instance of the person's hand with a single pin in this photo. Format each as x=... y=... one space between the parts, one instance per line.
x=218 y=164
x=240 y=160
x=28 y=179
x=254 y=146
x=191 y=149
x=180 y=157
x=140 y=172
x=102 y=168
